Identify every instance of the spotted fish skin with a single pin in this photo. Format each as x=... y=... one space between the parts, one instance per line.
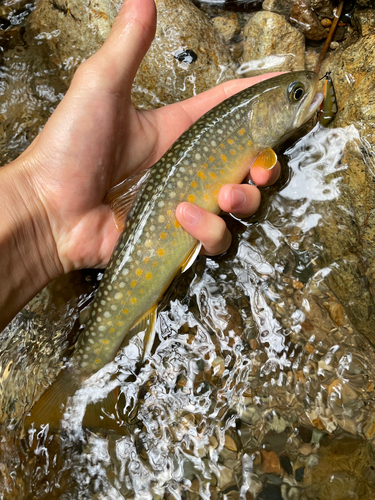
x=216 y=150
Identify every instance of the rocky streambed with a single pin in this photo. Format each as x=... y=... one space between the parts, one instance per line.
x=261 y=382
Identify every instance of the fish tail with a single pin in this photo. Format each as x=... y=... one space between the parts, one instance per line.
x=50 y=406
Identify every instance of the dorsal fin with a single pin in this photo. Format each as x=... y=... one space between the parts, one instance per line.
x=121 y=197
x=266 y=159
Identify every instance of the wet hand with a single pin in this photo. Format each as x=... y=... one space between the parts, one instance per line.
x=96 y=138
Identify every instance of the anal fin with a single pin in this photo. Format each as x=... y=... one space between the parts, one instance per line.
x=122 y=196
x=146 y=323
x=190 y=259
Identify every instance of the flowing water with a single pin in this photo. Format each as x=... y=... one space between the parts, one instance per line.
x=258 y=385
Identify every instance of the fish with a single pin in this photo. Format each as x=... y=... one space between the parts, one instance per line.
x=328 y=107
x=153 y=247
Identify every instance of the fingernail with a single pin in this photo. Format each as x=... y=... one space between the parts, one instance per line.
x=192 y=214
x=238 y=198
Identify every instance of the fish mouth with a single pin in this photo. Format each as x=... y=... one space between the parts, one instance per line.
x=303 y=116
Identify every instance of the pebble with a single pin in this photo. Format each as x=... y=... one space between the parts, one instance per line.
x=323 y=7
x=334 y=45
x=326 y=23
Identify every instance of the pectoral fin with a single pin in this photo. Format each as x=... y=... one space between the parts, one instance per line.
x=122 y=196
x=267 y=159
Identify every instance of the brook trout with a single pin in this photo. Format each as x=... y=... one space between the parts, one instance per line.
x=153 y=247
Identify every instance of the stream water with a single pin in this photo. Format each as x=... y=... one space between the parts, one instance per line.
x=258 y=385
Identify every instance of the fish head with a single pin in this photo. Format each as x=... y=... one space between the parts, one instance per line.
x=281 y=105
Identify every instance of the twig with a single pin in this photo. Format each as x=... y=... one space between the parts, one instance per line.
x=329 y=37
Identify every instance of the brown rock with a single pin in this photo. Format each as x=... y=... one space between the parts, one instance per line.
x=364 y=21
x=353 y=246
x=304 y=19
x=271 y=463
x=227 y=27
x=323 y=7
x=271 y=44
x=282 y=7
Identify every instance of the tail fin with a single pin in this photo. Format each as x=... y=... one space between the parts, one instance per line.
x=50 y=406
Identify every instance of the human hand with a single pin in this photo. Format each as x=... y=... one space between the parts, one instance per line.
x=96 y=138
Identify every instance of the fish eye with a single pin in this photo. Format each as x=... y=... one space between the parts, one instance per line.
x=296 y=91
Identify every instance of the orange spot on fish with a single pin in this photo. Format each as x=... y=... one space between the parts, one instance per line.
x=106 y=341
x=146 y=259
x=155 y=264
x=222 y=145
x=121 y=323
x=174 y=234
x=249 y=143
x=240 y=148
x=174 y=242
x=223 y=157
x=134 y=283
x=129 y=292
x=97 y=360
x=191 y=198
x=230 y=141
x=163 y=236
x=222 y=172
x=112 y=330
x=204 y=165
x=97 y=351
x=232 y=152
x=208 y=186
x=201 y=175
x=241 y=131
x=139 y=272
x=176 y=223
x=213 y=175
x=134 y=300
x=168 y=226
x=161 y=252
x=194 y=184
x=169 y=212
x=206 y=197
x=125 y=311
x=211 y=158
x=148 y=276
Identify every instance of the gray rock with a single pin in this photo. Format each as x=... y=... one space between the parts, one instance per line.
x=186 y=57
x=364 y=21
x=271 y=44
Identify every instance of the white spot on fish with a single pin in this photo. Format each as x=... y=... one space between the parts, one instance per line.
x=161 y=218
x=161 y=204
x=107 y=314
x=118 y=296
x=198 y=156
x=125 y=272
x=113 y=307
x=180 y=184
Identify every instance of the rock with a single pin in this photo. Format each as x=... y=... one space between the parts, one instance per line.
x=304 y=19
x=282 y=7
x=311 y=58
x=334 y=45
x=186 y=57
x=227 y=27
x=73 y=31
x=364 y=21
x=322 y=7
x=326 y=23
x=271 y=44
x=353 y=247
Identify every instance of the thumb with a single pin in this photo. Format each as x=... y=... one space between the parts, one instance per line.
x=114 y=66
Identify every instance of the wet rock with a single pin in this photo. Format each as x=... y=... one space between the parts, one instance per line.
x=282 y=7
x=326 y=23
x=163 y=77
x=323 y=7
x=304 y=19
x=364 y=21
x=271 y=44
x=353 y=246
x=227 y=27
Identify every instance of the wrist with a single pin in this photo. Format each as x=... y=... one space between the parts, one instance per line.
x=28 y=255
